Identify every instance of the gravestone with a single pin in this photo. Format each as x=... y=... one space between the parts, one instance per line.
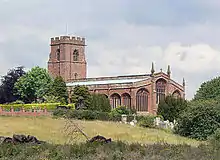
x=124 y=118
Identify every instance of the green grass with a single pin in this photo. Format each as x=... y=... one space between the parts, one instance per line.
x=52 y=131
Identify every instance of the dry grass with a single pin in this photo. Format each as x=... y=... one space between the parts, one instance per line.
x=52 y=130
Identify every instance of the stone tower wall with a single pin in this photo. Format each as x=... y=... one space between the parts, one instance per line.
x=65 y=66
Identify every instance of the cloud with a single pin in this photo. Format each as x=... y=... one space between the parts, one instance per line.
x=192 y=58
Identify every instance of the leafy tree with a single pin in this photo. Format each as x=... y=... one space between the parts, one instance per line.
x=59 y=90
x=34 y=85
x=81 y=92
x=209 y=90
x=7 y=87
x=200 y=120
x=100 y=102
x=171 y=107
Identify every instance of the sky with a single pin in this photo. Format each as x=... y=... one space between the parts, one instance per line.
x=122 y=36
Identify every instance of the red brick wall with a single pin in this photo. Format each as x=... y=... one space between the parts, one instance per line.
x=148 y=84
x=66 y=67
x=22 y=112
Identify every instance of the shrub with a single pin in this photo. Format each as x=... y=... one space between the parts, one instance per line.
x=94 y=115
x=99 y=103
x=81 y=93
x=146 y=121
x=87 y=115
x=59 y=112
x=171 y=108
x=200 y=120
x=122 y=110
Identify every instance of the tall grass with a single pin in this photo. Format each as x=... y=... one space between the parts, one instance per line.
x=111 y=151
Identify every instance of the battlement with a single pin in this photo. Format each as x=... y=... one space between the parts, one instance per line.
x=68 y=40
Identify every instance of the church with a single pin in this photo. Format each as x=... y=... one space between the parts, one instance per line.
x=141 y=92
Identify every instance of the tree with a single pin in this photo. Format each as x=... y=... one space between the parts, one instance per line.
x=7 y=92
x=171 y=107
x=81 y=93
x=100 y=102
x=34 y=85
x=209 y=90
x=59 y=90
x=200 y=120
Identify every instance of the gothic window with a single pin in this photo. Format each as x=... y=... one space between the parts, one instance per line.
x=115 y=100
x=142 y=100
x=126 y=99
x=58 y=54
x=176 y=94
x=160 y=89
x=75 y=55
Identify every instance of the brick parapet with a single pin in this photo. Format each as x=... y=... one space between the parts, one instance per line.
x=68 y=40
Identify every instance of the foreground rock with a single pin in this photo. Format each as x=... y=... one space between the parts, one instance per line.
x=100 y=139
x=20 y=139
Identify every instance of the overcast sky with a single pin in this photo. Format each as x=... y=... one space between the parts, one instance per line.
x=123 y=36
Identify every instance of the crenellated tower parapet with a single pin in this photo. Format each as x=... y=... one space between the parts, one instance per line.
x=68 y=40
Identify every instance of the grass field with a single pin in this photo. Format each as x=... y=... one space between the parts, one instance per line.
x=52 y=130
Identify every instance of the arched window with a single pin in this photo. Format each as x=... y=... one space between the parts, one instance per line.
x=75 y=55
x=115 y=100
x=126 y=100
x=58 y=54
x=176 y=94
x=142 y=100
x=160 y=89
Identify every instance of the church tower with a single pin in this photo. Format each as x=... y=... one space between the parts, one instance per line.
x=67 y=58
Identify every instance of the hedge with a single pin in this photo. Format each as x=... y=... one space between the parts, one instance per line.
x=145 y=121
x=89 y=115
x=48 y=106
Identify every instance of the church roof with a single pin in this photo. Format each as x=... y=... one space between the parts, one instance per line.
x=108 y=81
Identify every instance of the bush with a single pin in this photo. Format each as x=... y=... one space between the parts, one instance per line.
x=99 y=103
x=171 y=108
x=60 y=112
x=87 y=115
x=200 y=120
x=146 y=121
x=122 y=110
x=103 y=116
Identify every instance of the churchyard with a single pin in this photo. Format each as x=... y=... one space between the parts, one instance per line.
x=44 y=110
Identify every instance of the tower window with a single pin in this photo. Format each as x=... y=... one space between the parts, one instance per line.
x=58 y=54
x=75 y=55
